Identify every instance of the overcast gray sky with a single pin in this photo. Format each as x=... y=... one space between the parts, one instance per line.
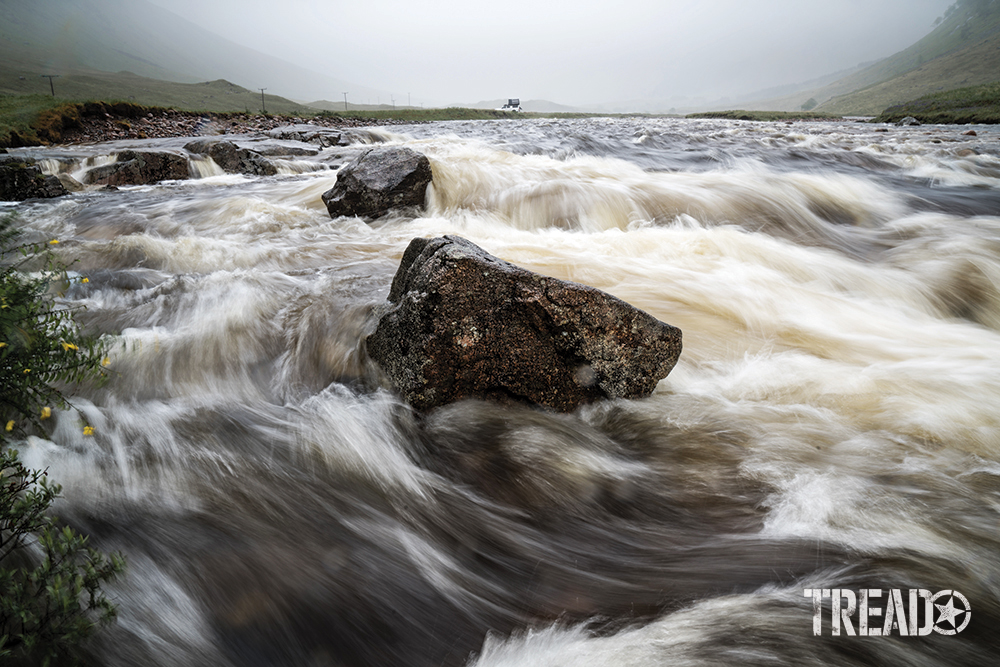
x=568 y=51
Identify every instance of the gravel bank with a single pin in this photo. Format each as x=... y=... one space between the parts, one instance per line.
x=171 y=123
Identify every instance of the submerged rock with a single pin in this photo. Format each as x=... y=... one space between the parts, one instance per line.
x=140 y=168
x=379 y=180
x=21 y=179
x=233 y=159
x=465 y=324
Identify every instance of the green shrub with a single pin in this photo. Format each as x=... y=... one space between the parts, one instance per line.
x=50 y=581
x=41 y=348
x=50 y=596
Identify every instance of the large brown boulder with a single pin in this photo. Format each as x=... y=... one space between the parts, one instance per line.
x=233 y=159
x=140 y=168
x=20 y=179
x=465 y=324
x=379 y=180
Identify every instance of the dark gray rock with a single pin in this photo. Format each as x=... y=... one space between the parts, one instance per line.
x=22 y=179
x=281 y=150
x=231 y=158
x=139 y=168
x=200 y=146
x=465 y=324
x=379 y=180
x=309 y=133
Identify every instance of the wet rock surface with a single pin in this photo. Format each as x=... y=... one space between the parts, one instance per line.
x=465 y=324
x=379 y=180
x=140 y=168
x=308 y=133
x=22 y=179
x=233 y=159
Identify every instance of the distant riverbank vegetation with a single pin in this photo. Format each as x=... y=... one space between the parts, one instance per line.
x=764 y=115
x=974 y=104
x=31 y=120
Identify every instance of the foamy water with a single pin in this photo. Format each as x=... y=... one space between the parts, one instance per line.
x=832 y=422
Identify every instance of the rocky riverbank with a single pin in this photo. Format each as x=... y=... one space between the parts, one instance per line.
x=172 y=123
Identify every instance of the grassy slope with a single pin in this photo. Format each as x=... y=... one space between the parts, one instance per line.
x=28 y=120
x=217 y=95
x=84 y=36
x=975 y=104
x=86 y=43
x=966 y=43
x=972 y=66
x=963 y=51
x=19 y=113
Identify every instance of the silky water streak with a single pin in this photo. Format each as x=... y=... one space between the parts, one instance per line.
x=831 y=425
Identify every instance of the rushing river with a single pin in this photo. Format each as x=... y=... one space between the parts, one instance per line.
x=833 y=422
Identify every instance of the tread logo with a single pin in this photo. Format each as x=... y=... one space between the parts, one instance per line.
x=911 y=613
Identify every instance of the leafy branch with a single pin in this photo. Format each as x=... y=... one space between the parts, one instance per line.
x=50 y=579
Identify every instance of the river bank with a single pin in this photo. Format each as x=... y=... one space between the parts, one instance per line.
x=164 y=123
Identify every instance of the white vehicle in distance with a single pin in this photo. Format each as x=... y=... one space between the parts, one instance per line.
x=513 y=104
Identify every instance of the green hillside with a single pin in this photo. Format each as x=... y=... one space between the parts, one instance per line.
x=127 y=50
x=964 y=50
x=976 y=104
x=96 y=37
x=217 y=95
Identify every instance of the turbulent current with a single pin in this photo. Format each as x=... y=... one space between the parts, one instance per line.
x=833 y=424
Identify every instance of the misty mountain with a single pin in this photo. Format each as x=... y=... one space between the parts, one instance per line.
x=962 y=50
x=67 y=36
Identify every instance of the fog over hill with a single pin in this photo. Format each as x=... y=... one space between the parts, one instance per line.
x=643 y=55
x=579 y=53
x=66 y=36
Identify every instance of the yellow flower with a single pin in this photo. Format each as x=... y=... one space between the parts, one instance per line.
x=106 y=361
x=68 y=346
x=27 y=370
x=88 y=430
x=53 y=241
x=85 y=280
x=46 y=412
x=3 y=344
x=10 y=426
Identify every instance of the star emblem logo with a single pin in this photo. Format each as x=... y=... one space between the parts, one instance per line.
x=949 y=614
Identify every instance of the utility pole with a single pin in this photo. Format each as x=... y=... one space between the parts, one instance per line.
x=393 y=102
x=407 y=99
x=51 y=86
x=345 y=101
x=262 y=108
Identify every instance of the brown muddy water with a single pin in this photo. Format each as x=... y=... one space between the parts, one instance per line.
x=833 y=422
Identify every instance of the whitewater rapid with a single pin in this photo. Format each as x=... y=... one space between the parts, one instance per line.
x=832 y=422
